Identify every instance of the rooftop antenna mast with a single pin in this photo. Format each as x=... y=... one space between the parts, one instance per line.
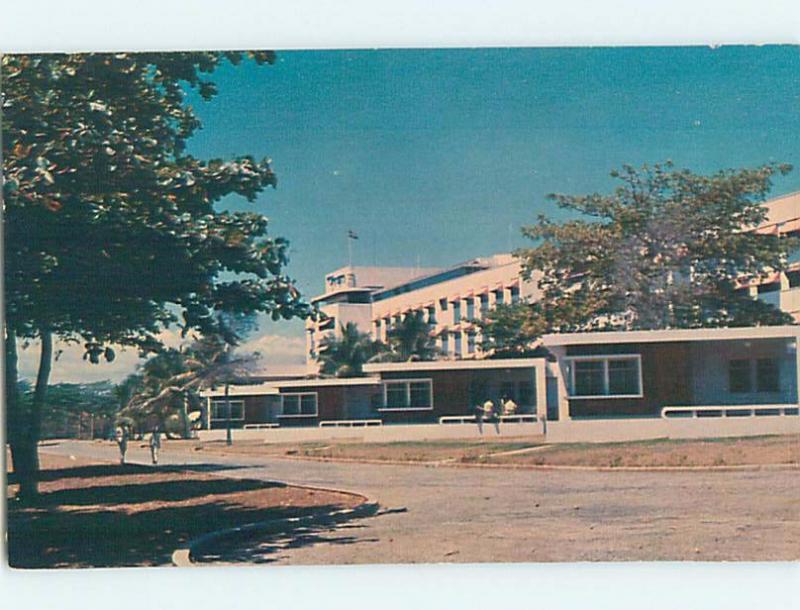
x=351 y=235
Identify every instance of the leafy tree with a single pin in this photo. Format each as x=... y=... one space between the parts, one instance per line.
x=111 y=230
x=510 y=330
x=67 y=404
x=345 y=355
x=666 y=250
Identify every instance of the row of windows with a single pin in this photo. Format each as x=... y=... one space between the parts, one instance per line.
x=621 y=376
x=444 y=303
x=301 y=404
x=754 y=375
x=412 y=394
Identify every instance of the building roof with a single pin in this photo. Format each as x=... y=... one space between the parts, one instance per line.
x=273 y=388
x=451 y=365
x=659 y=336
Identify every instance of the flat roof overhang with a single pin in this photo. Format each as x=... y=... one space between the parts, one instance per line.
x=452 y=365
x=273 y=388
x=662 y=336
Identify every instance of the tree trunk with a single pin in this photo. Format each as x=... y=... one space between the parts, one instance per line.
x=16 y=418
x=27 y=469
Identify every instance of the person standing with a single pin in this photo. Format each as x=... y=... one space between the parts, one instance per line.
x=121 y=436
x=155 y=443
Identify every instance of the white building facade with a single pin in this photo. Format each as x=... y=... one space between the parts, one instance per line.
x=450 y=299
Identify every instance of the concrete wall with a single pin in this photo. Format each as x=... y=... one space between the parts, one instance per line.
x=621 y=430
x=710 y=362
x=379 y=434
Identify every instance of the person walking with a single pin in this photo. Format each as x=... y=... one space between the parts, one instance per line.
x=479 y=415
x=121 y=436
x=155 y=443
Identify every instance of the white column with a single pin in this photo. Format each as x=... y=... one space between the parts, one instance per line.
x=541 y=389
x=797 y=367
x=563 y=400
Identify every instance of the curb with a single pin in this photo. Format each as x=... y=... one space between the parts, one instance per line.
x=182 y=556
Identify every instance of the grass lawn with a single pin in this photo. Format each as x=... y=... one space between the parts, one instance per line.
x=407 y=451
x=510 y=451
x=97 y=514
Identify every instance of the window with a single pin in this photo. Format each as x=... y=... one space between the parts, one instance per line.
x=408 y=394
x=605 y=376
x=443 y=304
x=219 y=410
x=767 y=375
x=589 y=378
x=525 y=393
x=456 y=312
x=432 y=315
x=514 y=295
x=484 y=304
x=457 y=344
x=445 y=344
x=499 y=294
x=301 y=404
x=623 y=377
x=470 y=309
x=740 y=379
x=470 y=343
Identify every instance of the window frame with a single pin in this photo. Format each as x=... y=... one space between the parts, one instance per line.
x=300 y=404
x=606 y=383
x=407 y=382
x=221 y=402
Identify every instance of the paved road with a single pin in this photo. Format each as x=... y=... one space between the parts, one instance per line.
x=477 y=515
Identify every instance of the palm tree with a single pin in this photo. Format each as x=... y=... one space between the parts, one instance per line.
x=411 y=339
x=177 y=375
x=345 y=355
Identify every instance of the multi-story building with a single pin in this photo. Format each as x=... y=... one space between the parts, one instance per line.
x=449 y=299
x=452 y=299
x=782 y=289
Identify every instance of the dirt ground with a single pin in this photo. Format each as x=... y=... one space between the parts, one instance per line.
x=764 y=450
x=95 y=514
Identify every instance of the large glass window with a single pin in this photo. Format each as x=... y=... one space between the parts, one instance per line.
x=301 y=404
x=740 y=378
x=603 y=376
x=589 y=378
x=623 y=376
x=219 y=409
x=408 y=394
x=768 y=375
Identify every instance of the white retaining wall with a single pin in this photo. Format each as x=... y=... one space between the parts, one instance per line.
x=379 y=434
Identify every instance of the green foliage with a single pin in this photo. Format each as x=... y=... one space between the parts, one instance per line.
x=510 y=329
x=67 y=403
x=345 y=355
x=111 y=229
x=665 y=250
x=411 y=339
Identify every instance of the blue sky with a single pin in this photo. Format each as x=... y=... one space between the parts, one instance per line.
x=441 y=155
x=438 y=156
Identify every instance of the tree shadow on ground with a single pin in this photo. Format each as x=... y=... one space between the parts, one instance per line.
x=115 y=470
x=48 y=535
x=261 y=547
